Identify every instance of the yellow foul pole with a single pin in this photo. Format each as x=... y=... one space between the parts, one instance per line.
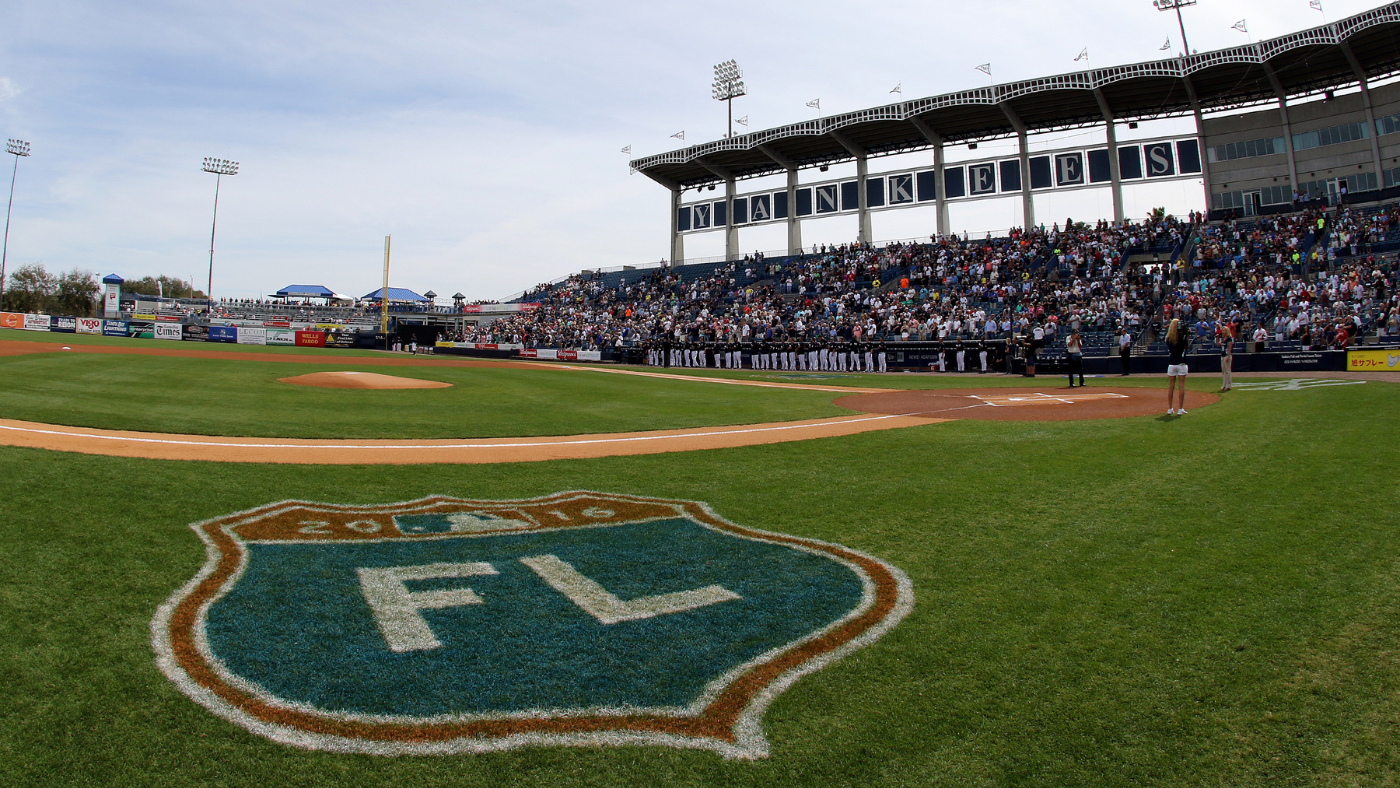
x=384 y=296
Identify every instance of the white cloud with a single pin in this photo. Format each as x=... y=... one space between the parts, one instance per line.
x=8 y=89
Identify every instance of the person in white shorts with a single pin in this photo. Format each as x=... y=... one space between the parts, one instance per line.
x=1177 y=345
x=1227 y=357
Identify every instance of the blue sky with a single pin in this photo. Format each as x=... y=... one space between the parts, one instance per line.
x=485 y=137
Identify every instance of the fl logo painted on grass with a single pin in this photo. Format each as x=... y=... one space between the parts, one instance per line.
x=453 y=626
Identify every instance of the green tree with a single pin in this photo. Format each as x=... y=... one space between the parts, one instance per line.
x=33 y=289
x=29 y=289
x=77 y=294
x=167 y=286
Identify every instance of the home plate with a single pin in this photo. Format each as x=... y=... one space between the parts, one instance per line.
x=1038 y=398
x=1021 y=404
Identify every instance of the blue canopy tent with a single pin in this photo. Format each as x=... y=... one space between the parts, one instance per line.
x=305 y=291
x=396 y=294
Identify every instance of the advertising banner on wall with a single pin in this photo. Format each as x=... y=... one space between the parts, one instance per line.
x=540 y=354
x=111 y=299
x=252 y=336
x=223 y=333
x=196 y=333
x=168 y=331
x=89 y=325
x=140 y=330
x=36 y=322
x=11 y=320
x=281 y=336
x=1373 y=360
x=344 y=339
x=65 y=325
x=311 y=339
x=480 y=345
x=114 y=328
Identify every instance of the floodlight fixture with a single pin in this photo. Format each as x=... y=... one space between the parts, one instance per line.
x=728 y=85
x=1176 y=5
x=220 y=168
x=18 y=149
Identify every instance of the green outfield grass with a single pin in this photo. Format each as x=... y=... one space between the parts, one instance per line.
x=244 y=398
x=1203 y=601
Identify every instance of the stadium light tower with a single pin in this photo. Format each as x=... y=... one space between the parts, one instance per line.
x=17 y=148
x=220 y=168
x=729 y=85
x=1176 y=5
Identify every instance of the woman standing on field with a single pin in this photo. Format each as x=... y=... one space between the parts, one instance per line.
x=1227 y=356
x=1177 y=345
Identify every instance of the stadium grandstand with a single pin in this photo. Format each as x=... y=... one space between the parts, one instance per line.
x=1295 y=253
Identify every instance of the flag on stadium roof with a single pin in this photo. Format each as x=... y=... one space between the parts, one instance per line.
x=1240 y=26
x=985 y=68
x=899 y=89
x=815 y=103
x=744 y=121
x=680 y=135
x=1167 y=45
x=1315 y=4
x=627 y=150
x=1084 y=55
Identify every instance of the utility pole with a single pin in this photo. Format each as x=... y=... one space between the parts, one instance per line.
x=17 y=148
x=220 y=168
x=728 y=85
x=1177 y=5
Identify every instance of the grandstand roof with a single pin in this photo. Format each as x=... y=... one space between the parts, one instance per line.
x=1299 y=64
x=395 y=294
x=305 y=291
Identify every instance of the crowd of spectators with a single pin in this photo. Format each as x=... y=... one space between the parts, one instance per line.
x=1262 y=275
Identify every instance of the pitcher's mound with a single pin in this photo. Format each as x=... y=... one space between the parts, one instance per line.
x=362 y=380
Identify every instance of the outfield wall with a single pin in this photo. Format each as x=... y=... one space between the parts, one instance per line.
x=146 y=327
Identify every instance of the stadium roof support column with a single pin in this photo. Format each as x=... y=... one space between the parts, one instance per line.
x=1115 y=177
x=936 y=140
x=677 y=240
x=731 y=233
x=1023 y=143
x=1373 y=132
x=862 y=175
x=1200 y=138
x=794 y=225
x=1287 y=127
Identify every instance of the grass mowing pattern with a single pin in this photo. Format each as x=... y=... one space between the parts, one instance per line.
x=244 y=398
x=1213 y=600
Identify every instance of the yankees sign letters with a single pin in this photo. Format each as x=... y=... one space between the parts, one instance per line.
x=453 y=626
